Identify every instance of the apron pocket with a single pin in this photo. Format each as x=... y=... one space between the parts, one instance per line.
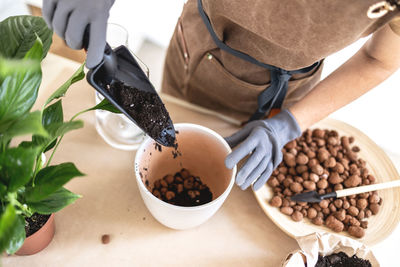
x=211 y=84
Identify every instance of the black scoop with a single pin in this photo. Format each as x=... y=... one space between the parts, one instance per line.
x=312 y=197
x=121 y=80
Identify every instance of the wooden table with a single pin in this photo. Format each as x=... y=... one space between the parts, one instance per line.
x=239 y=234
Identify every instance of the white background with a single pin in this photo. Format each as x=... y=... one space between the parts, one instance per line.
x=376 y=113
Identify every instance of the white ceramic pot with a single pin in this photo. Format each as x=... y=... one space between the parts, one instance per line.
x=203 y=154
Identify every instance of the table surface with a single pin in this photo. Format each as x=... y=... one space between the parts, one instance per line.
x=239 y=234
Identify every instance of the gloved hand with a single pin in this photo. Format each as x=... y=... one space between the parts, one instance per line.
x=264 y=140
x=69 y=18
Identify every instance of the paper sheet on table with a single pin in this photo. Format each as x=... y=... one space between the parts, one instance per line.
x=326 y=244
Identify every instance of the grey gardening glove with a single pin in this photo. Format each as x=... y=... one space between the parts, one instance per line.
x=69 y=18
x=264 y=140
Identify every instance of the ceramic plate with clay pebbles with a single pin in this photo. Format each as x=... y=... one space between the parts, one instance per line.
x=331 y=156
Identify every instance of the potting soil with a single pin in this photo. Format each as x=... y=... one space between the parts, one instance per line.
x=145 y=108
x=341 y=260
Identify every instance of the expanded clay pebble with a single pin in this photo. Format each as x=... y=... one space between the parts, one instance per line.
x=181 y=189
x=322 y=160
x=105 y=239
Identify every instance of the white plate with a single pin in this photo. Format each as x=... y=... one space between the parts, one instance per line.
x=380 y=226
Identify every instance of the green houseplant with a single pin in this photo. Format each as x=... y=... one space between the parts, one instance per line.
x=28 y=185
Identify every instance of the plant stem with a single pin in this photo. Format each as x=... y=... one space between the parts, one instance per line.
x=80 y=113
x=54 y=150
x=37 y=167
x=61 y=137
x=3 y=147
x=23 y=208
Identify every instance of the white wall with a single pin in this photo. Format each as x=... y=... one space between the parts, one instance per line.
x=151 y=19
x=12 y=8
x=377 y=112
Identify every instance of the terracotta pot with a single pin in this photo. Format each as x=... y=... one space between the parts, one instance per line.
x=39 y=240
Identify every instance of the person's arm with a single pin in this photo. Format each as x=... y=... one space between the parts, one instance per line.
x=372 y=64
x=264 y=139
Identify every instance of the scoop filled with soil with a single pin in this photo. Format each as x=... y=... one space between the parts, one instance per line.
x=128 y=89
x=192 y=173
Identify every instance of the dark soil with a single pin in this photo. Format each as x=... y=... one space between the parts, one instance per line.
x=34 y=223
x=146 y=109
x=175 y=153
x=182 y=189
x=341 y=260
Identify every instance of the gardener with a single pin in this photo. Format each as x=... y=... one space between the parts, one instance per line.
x=244 y=58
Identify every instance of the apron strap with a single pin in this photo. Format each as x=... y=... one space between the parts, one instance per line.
x=273 y=95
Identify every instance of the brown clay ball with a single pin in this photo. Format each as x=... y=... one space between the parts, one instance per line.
x=297 y=216
x=287 y=210
x=322 y=161
x=356 y=231
x=276 y=201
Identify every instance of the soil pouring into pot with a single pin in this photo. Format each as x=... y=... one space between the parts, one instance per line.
x=145 y=107
x=39 y=233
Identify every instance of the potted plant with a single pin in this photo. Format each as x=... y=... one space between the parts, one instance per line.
x=31 y=189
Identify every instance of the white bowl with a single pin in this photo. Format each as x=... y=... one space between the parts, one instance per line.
x=203 y=154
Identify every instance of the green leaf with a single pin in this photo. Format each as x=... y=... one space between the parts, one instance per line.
x=54 y=202
x=106 y=105
x=18 y=237
x=58 y=129
x=3 y=190
x=10 y=230
x=18 y=92
x=53 y=114
x=50 y=146
x=26 y=144
x=30 y=123
x=51 y=179
x=60 y=92
x=19 y=33
x=36 y=51
x=55 y=130
x=7 y=225
x=12 y=66
x=17 y=166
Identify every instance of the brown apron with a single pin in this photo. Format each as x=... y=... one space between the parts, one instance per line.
x=289 y=34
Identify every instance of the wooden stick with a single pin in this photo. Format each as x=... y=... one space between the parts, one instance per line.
x=367 y=188
x=199 y=109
